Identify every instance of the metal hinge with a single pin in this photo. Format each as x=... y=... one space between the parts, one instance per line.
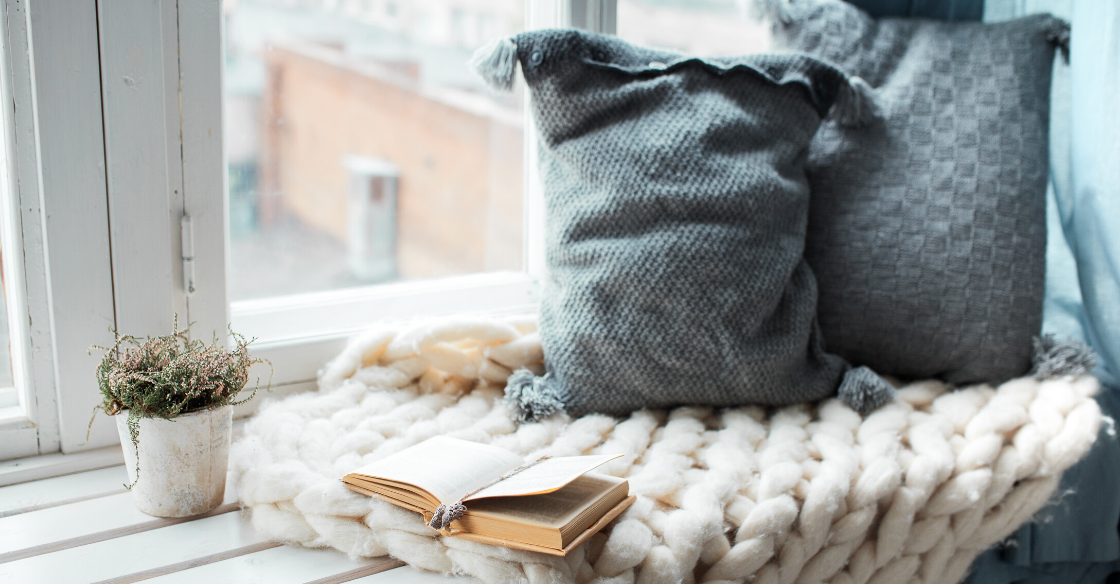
x=188 y=254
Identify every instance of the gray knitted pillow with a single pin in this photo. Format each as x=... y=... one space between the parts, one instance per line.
x=927 y=231
x=676 y=212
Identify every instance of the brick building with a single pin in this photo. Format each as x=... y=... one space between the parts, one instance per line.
x=458 y=155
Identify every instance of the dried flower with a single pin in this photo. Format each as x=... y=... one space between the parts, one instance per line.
x=171 y=375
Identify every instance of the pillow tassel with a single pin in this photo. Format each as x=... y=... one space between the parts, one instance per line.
x=864 y=391
x=531 y=398
x=856 y=104
x=1057 y=358
x=495 y=63
x=1057 y=32
x=779 y=10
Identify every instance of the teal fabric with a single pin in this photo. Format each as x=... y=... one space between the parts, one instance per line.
x=953 y=10
x=1076 y=540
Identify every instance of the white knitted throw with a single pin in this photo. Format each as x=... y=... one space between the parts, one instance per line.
x=808 y=493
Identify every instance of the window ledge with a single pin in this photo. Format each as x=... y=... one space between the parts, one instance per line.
x=33 y=468
x=334 y=315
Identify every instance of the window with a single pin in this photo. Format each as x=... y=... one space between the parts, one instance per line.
x=693 y=27
x=350 y=170
x=118 y=183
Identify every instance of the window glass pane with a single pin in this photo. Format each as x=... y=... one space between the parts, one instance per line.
x=362 y=150
x=694 y=27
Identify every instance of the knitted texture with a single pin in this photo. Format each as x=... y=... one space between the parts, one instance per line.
x=806 y=493
x=676 y=208
x=927 y=231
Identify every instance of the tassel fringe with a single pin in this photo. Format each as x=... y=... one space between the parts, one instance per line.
x=856 y=105
x=445 y=514
x=864 y=391
x=1058 y=35
x=495 y=63
x=779 y=10
x=530 y=398
x=1057 y=358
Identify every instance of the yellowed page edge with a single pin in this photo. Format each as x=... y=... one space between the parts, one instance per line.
x=595 y=528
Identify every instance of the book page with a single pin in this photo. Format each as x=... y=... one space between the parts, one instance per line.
x=447 y=468
x=554 y=509
x=544 y=477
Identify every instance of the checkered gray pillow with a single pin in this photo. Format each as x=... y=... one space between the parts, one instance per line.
x=927 y=231
x=676 y=213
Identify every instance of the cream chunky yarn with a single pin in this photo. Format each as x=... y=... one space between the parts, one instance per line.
x=804 y=494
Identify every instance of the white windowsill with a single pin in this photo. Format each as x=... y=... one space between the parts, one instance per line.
x=337 y=314
x=34 y=468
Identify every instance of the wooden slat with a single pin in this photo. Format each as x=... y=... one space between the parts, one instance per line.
x=82 y=523
x=409 y=575
x=283 y=565
x=193 y=563
x=62 y=490
x=142 y=555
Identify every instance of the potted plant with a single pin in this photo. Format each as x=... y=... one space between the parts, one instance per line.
x=177 y=395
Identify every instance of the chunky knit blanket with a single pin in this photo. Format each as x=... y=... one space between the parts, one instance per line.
x=808 y=493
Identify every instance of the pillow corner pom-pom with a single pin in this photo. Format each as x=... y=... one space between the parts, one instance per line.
x=864 y=391
x=856 y=105
x=531 y=398
x=495 y=62
x=781 y=11
x=1053 y=357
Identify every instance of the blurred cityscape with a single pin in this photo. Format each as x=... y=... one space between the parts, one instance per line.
x=362 y=150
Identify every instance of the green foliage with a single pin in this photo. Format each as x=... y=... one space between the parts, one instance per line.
x=171 y=375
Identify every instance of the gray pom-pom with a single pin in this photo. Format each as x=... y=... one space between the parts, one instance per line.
x=864 y=391
x=1054 y=358
x=445 y=514
x=1057 y=32
x=531 y=398
x=437 y=517
x=495 y=63
x=779 y=10
x=856 y=104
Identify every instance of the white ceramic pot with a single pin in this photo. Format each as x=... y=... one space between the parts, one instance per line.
x=182 y=461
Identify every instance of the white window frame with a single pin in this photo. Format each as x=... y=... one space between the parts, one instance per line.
x=109 y=149
x=112 y=119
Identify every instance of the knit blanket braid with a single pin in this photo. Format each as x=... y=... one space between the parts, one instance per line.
x=803 y=494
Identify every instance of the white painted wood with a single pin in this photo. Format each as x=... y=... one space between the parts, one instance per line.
x=409 y=575
x=34 y=468
x=282 y=565
x=108 y=515
x=201 y=68
x=28 y=530
x=174 y=133
x=136 y=155
x=74 y=211
x=11 y=240
x=62 y=490
x=38 y=389
x=343 y=312
x=196 y=542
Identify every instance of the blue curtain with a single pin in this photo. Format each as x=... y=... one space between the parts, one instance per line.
x=1083 y=257
x=1090 y=210
x=1077 y=541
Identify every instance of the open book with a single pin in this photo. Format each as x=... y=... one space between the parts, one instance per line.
x=488 y=494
